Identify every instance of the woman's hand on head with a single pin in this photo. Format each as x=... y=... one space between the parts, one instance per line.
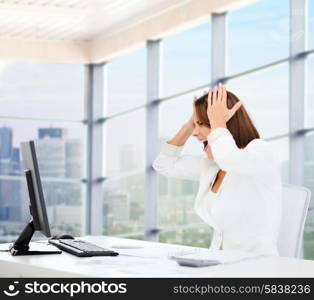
x=217 y=111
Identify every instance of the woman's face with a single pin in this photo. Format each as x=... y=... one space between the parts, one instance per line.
x=201 y=132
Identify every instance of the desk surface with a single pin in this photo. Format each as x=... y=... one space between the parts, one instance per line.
x=152 y=260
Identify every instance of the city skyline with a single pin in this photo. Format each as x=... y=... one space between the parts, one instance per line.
x=58 y=157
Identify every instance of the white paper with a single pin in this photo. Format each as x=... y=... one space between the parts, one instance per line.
x=221 y=256
x=160 y=252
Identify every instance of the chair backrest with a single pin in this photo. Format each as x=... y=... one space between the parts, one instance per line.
x=295 y=204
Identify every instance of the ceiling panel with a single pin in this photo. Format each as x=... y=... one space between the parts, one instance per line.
x=74 y=20
x=93 y=31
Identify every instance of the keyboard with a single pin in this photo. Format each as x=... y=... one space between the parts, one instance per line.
x=82 y=248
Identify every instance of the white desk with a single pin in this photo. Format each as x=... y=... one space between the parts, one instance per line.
x=67 y=265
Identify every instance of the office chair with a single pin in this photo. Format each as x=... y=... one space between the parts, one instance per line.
x=295 y=204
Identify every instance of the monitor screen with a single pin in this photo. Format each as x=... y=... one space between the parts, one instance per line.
x=37 y=201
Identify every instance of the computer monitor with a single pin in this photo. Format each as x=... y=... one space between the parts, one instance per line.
x=39 y=220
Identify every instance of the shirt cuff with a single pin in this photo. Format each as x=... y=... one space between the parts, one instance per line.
x=171 y=150
x=216 y=133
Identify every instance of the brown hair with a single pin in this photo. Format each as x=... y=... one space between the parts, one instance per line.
x=240 y=125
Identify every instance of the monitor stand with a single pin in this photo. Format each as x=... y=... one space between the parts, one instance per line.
x=21 y=245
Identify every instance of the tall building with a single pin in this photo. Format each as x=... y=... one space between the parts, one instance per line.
x=15 y=161
x=5 y=142
x=73 y=149
x=11 y=208
x=50 y=148
x=51 y=152
x=52 y=132
x=59 y=158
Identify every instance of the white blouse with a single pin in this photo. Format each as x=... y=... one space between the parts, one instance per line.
x=245 y=213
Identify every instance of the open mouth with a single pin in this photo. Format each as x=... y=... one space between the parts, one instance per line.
x=205 y=143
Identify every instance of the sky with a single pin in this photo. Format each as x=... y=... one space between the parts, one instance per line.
x=44 y=91
x=257 y=35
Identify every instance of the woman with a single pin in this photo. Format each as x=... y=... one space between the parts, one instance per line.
x=239 y=194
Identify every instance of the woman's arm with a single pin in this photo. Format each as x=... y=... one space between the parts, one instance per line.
x=171 y=163
x=255 y=159
x=182 y=135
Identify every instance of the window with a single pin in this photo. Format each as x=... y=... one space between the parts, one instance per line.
x=176 y=197
x=265 y=95
x=186 y=60
x=309 y=139
x=258 y=34
x=310 y=24
x=281 y=147
x=126 y=82
x=42 y=90
x=35 y=100
x=309 y=183
x=124 y=146
x=309 y=99
x=125 y=143
x=124 y=190
x=123 y=206
x=60 y=151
